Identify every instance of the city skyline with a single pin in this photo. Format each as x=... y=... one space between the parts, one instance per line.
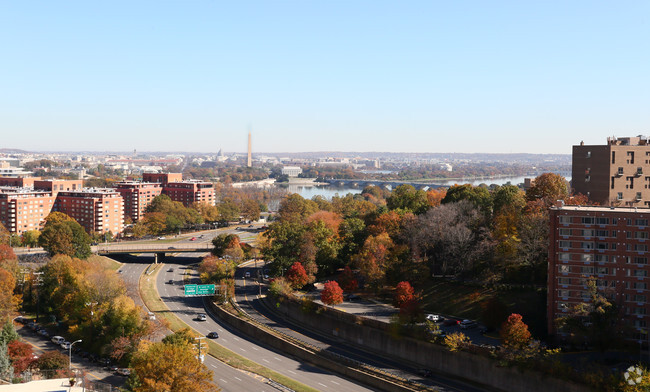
x=369 y=76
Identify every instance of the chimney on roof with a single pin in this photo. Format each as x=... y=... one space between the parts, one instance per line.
x=582 y=142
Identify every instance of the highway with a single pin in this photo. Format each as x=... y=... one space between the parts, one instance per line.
x=187 y=308
x=247 y=298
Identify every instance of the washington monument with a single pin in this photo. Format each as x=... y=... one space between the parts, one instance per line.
x=250 y=152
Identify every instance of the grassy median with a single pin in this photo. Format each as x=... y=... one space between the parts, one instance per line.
x=151 y=298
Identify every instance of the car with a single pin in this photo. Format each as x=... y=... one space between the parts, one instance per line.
x=123 y=372
x=201 y=317
x=251 y=226
x=450 y=322
x=57 y=339
x=170 y=281
x=43 y=332
x=170 y=270
x=112 y=368
x=171 y=247
x=247 y=274
x=151 y=316
x=65 y=345
x=22 y=320
x=201 y=236
x=467 y=324
x=32 y=326
x=352 y=297
x=161 y=238
x=193 y=239
x=95 y=243
x=436 y=318
x=212 y=335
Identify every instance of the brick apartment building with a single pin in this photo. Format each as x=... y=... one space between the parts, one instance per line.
x=187 y=192
x=97 y=210
x=24 y=209
x=608 y=243
x=617 y=173
x=137 y=196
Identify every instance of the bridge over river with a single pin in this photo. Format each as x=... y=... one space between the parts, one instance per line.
x=383 y=183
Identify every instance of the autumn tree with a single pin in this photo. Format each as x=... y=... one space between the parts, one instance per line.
x=514 y=332
x=63 y=235
x=8 y=302
x=4 y=235
x=476 y=195
x=548 y=187
x=250 y=210
x=52 y=360
x=404 y=292
x=297 y=276
x=21 y=355
x=331 y=294
x=347 y=281
x=374 y=258
x=508 y=196
x=6 y=253
x=228 y=210
x=169 y=367
x=213 y=269
x=222 y=242
x=408 y=199
x=295 y=209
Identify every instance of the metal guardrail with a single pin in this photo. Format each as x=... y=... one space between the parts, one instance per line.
x=377 y=372
x=279 y=386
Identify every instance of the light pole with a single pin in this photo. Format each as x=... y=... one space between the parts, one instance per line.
x=70 y=351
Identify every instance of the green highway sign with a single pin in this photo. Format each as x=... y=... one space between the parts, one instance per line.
x=199 y=289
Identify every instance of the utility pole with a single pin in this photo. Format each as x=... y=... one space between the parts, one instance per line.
x=199 y=344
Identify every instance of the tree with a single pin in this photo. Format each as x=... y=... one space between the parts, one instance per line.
x=250 y=210
x=374 y=258
x=8 y=301
x=6 y=253
x=457 y=341
x=21 y=355
x=228 y=210
x=295 y=209
x=297 y=276
x=183 y=337
x=408 y=199
x=508 y=196
x=6 y=370
x=548 y=187
x=410 y=311
x=30 y=237
x=403 y=293
x=514 y=332
x=331 y=294
x=4 y=235
x=478 y=196
x=8 y=333
x=63 y=235
x=169 y=367
x=214 y=269
x=52 y=360
x=347 y=280
x=223 y=242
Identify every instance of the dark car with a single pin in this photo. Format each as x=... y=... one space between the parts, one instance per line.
x=450 y=321
x=352 y=297
x=170 y=281
x=170 y=270
x=212 y=335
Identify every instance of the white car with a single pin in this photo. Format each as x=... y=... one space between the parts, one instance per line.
x=123 y=371
x=65 y=345
x=151 y=315
x=201 y=317
x=58 y=339
x=436 y=318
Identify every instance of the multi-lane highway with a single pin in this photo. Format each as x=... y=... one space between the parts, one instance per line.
x=186 y=308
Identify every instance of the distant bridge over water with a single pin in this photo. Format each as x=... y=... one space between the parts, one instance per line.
x=383 y=184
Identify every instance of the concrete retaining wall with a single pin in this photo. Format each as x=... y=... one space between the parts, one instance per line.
x=280 y=344
x=464 y=365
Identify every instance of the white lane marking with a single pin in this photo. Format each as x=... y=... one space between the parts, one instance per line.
x=255 y=348
x=277 y=359
x=242 y=349
x=334 y=382
x=322 y=384
x=214 y=366
x=224 y=381
x=237 y=339
x=291 y=371
x=266 y=360
x=237 y=378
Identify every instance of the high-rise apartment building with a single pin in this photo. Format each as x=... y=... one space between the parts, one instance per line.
x=617 y=173
x=162 y=178
x=137 y=196
x=609 y=244
x=187 y=192
x=97 y=210
x=23 y=209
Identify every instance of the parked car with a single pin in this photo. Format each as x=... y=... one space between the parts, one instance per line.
x=57 y=339
x=212 y=335
x=123 y=372
x=43 y=332
x=193 y=239
x=467 y=324
x=65 y=345
x=151 y=315
x=201 y=317
x=112 y=368
x=247 y=274
x=436 y=318
x=352 y=297
x=170 y=270
x=450 y=322
x=161 y=238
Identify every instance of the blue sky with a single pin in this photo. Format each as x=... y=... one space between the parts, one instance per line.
x=430 y=76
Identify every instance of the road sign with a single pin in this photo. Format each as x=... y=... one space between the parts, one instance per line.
x=199 y=289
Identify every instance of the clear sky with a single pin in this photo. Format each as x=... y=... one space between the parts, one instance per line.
x=411 y=76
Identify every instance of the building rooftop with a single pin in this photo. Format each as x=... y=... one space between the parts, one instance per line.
x=53 y=385
x=602 y=209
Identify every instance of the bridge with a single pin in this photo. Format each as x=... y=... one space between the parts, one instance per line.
x=386 y=184
x=158 y=249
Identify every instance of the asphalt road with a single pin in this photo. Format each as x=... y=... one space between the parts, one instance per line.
x=187 y=308
x=246 y=290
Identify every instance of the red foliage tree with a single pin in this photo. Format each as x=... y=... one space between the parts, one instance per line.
x=411 y=311
x=332 y=294
x=21 y=355
x=6 y=253
x=403 y=293
x=514 y=332
x=347 y=281
x=297 y=276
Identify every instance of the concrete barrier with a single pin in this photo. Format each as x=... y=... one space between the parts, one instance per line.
x=362 y=333
x=302 y=353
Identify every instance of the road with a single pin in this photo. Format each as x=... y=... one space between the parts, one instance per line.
x=187 y=308
x=247 y=298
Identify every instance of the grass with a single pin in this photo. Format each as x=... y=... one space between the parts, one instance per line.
x=155 y=304
x=459 y=300
x=105 y=262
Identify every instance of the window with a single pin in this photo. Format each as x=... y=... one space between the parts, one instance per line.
x=565 y=244
x=564 y=256
x=601 y=258
x=563 y=293
x=613 y=157
x=602 y=270
x=565 y=220
x=602 y=221
x=640 y=260
x=602 y=245
x=641 y=247
x=564 y=281
x=630 y=157
x=588 y=154
x=587 y=232
x=641 y=235
x=602 y=233
x=564 y=269
x=587 y=178
x=639 y=285
x=587 y=270
x=588 y=220
x=619 y=196
x=638 y=195
x=587 y=245
x=620 y=171
x=641 y=222
x=565 y=232
x=640 y=273
x=639 y=298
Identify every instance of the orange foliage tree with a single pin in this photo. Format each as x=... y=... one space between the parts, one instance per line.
x=21 y=355
x=347 y=281
x=332 y=294
x=514 y=332
x=403 y=293
x=297 y=276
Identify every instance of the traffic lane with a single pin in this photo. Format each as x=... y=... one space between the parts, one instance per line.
x=41 y=344
x=228 y=378
x=248 y=294
x=188 y=307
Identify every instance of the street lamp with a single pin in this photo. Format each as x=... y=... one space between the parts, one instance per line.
x=70 y=351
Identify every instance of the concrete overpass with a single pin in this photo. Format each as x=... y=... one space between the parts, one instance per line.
x=158 y=249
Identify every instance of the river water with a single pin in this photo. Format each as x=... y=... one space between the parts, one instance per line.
x=329 y=191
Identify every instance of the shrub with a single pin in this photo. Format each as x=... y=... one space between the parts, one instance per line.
x=457 y=341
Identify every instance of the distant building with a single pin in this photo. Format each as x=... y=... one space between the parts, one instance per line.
x=292 y=171
x=6 y=170
x=23 y=209
x=162 y=178
x=97 y=210
x=617 y=173
x=608 y=243
x=137 y=196
x=187 y=192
